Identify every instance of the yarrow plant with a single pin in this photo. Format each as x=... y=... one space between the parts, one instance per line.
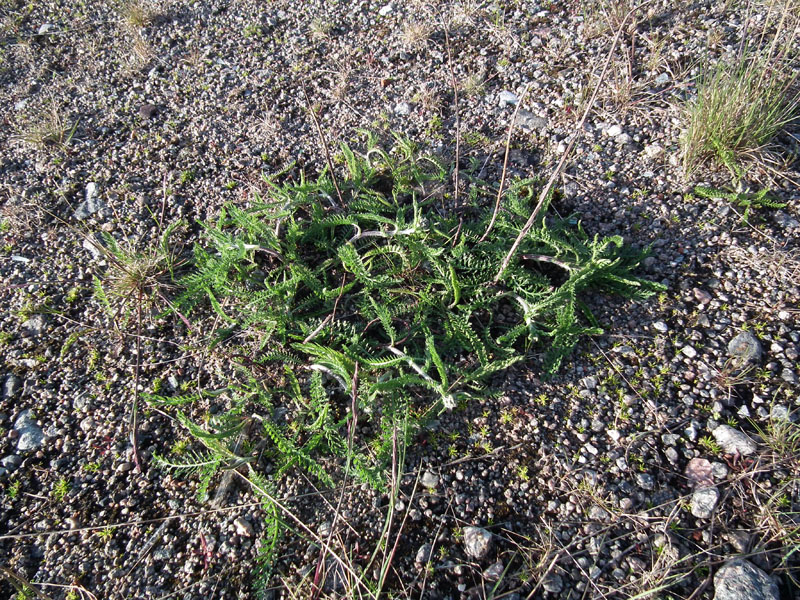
x=371 y=299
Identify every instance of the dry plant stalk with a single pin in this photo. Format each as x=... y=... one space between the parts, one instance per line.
x=560 y=167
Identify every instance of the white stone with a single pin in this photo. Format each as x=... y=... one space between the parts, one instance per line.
x=653 y=150
x=733 y=441
x=386 y=10
x=477 y=542
x=243 y=527
x=402 y=108
x=689 y=351
x=506 y=98
x=614 y=131
x=704 y=501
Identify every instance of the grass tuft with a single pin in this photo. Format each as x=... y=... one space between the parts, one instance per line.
x=740 y=107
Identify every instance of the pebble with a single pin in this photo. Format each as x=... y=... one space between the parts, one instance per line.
x=243 y=527
x=733 y=441
x=31 y=435
x=91 y=205
x=613 y=131
x=780 y=412
x=34 y=326
x=660 y=327
x=402 y=109
x=530 y=122
x=477 y=542
x=689 y=351
x=506 y=98
x=148 y=111
x=653 y=151
x=11 y=462
x=93 y=246
x=423 y=554
x=429 y=480
x=739 y=579
x=386 y=10
x=494 y=572
x=704 y=501
x=553 y=583
x=11 y=387
x=645 y=481
x=745 y=348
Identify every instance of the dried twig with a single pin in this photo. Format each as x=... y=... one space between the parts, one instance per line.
x=547 y=189
x=505 y=164
x=325 y=149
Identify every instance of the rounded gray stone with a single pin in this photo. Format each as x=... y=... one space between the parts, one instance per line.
x=477 y=542
x=31 y=435
x=741 y=580
x=745 y=348
x=704 y=501
x=733 y=441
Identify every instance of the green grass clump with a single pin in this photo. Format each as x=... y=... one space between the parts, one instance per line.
x=740 y=107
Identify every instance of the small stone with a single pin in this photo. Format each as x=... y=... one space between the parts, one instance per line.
x=741 y=580
x=73 y=523
x=704 y=501
x=477 y=542
x=243 y=527
x=429 y=480
x=494 y=572
x=662 y=79
x=733 y=441
x=699 y=473
x=506 y=98
x=93 y=246
x=645 y=481
x=423 y=554
x=785 y=220
x=689 y=351
x=670 y=439
x=613 y=131
x=590 y=382
x=780 y=412
x=31 y=435
x=91 y=204
x=11 y=387
x=745 y=348
x=702 y=296
x=35 y=325
x=386 y=10
x=402 y=109
x=672 y=455
x=148 y=111
x=124 y=467
x=11 y=462
x=653 y=151
x=46 y=28
x=789 y=377
x=552 y=583
x=529 y=122
x=660 y=327
x=614 y=434
x=719 y=470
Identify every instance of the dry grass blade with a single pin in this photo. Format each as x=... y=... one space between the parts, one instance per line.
x=505 y=164
x=324 y=143
x=579 y=128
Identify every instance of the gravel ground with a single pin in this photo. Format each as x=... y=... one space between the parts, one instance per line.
x=651 y=460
